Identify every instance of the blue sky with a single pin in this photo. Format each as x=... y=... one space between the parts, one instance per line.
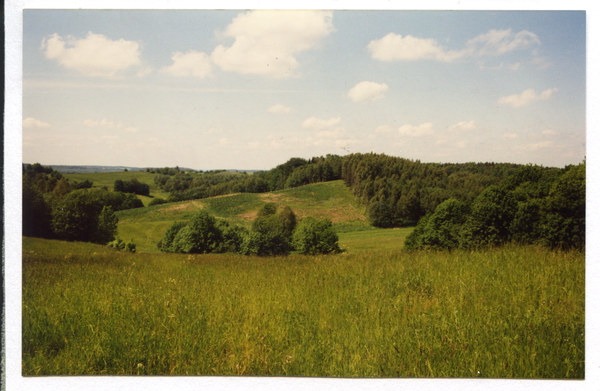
x=251 y=89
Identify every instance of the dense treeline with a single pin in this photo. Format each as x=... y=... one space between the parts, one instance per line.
x=396 y=191
x=132 y=186
x=53 y=207
x=533 y=205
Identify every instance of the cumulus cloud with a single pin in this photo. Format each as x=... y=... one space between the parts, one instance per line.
x=34 y=123
x=95 y=55
x=266 y=42
x=367 y=91
x=462 y=126
x=526 y=98
x=395 y=47
x=279 y=109
x=320 y=124
x=192 y=63
x=416 y=131
x=497 y=42
x=108 y=124
x=455 y=131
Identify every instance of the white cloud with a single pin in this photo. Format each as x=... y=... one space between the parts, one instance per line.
x=454 y=132
x=497 y=42
x=416 y=131
x=192 y=63
x=510 y=135
x=95 y=55
x=34 y=123
x=320 y=124
x=279 y=109
x=367 y=91
x=462 y=126
x=223 y=141
x=266 y=42
x=525 y=98
x=394 y=47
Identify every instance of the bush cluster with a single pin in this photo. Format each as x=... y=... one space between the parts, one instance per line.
x=272 y=233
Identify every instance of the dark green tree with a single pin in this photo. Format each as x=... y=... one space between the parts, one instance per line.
x=107 y=226
x=166 y=244
x=313 y=236
x=75 y=217
x=200 y=235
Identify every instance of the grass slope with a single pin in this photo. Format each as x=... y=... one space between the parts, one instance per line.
x=333 y=200
x=515 y=312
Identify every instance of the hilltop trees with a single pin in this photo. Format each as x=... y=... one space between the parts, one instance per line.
x=53 y=207
x=532 y=206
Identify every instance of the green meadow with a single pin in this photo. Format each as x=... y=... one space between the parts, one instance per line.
x=514 y=312
x=372 y=311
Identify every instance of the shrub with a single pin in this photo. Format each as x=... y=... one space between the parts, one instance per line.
x=440 y=230
x=314 y=236
x=157 y=201
x=120 y=245
x=200 y=235
x=166 y=244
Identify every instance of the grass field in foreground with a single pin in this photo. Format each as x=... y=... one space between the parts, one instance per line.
x=514 y=312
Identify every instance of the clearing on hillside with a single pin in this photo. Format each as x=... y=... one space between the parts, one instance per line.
x=331 y=200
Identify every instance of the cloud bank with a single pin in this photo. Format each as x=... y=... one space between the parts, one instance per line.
x=34 y=123
x=267 y=42
x=192 y=63
x=95 y=55
x=366 y=91
x=394 y=47
x=526 y=98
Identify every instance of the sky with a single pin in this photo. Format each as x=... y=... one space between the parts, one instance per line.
x=239 y=89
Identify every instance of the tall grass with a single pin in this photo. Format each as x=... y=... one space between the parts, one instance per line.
x=514 y=312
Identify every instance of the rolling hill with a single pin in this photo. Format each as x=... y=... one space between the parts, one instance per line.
x=332 y=200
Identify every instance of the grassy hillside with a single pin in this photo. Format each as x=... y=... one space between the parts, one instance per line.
x=333 y=200
x=514 y=312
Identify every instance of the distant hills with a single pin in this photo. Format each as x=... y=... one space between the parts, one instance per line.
x=93 y=169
